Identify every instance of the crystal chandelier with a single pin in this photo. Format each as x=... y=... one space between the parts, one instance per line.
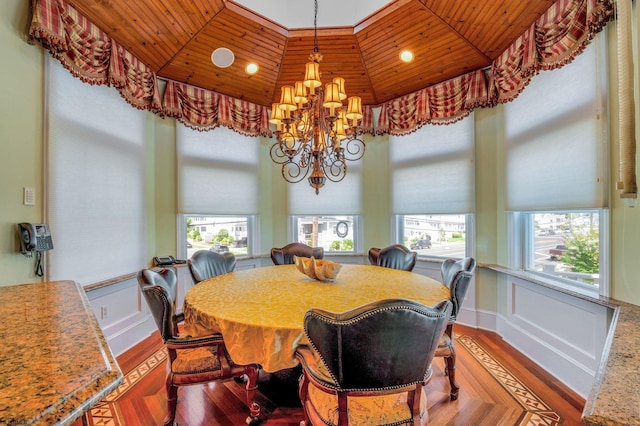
x=316 y=134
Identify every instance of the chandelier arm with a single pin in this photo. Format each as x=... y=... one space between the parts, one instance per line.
x=354 y=149
x=335 y=170
x=292 y=172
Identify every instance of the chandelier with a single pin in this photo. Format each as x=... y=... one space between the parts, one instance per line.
x=316 y=134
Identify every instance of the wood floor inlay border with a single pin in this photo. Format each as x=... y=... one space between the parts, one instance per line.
x=106 y=412
x=538 y=413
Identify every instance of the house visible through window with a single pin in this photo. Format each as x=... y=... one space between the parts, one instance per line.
x=217 y=233
x=333 y=233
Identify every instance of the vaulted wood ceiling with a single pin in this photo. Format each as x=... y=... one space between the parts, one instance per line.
x=175 y=38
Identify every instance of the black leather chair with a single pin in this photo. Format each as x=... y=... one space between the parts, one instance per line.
x=206 y=264
x=456 y=275
x=395 y=256
x=284 y=255
x=191 y=360
x=379 y=350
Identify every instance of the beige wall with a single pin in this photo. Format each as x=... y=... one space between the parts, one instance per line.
x=21 y=109
x=21 y=136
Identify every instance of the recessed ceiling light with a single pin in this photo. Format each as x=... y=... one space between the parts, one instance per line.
x=406 y=56
x=251 y=69
x=222 y=57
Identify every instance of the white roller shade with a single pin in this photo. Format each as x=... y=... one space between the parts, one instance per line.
x=432 y=169
x=218 y=172
x=556 y=152
x=96 y=191
x=335 y=198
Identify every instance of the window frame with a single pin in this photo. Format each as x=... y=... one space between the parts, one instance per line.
x=522 y=245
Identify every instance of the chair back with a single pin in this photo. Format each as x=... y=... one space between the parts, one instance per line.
x=384 y=344
x=206 y=264
x=374 y=252
x=284 y=255
x=159 y=290
x=395 y=256
x=456 y=275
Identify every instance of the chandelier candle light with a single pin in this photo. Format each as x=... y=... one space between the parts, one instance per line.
x=316 y=135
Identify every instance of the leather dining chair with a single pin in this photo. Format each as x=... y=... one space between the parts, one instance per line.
x=206 y=264
x=382 y=350
x=191 y=360
x=395 y=256
x=456 y=275
x=284 y=255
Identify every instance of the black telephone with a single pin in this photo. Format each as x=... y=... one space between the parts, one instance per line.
x=167 y=260
x=34 y=237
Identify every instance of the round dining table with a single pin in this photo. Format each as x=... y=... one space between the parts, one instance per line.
x=260 y=311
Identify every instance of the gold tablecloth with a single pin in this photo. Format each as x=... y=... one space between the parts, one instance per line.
x=260 y=311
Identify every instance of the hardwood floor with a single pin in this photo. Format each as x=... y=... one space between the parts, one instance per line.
x=499 y=386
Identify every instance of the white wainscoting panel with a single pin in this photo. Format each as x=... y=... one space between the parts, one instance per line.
x=563 y=334
x=122 y=314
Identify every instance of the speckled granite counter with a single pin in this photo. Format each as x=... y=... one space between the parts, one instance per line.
x=615 y=396
x=55 y=363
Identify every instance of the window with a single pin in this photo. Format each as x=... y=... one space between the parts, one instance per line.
x=567 y=246
x=435 y=235
x=328 y=219
x=432 y=189
x=332 y=233
x=218 y=233
x=95 y=178
x=218 y=190
x=556 y=173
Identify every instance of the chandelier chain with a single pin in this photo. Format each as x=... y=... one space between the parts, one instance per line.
x=315 y=27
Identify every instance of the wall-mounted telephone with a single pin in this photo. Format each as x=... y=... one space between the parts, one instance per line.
x=35 y=237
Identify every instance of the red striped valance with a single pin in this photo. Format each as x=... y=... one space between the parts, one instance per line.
x=91 y=55
x=553 y=40
x=202 y=109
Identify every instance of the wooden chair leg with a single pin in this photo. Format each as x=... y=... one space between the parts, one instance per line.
x=252 y=385
x=303 y=388
x=172 y=402
x=451 y=372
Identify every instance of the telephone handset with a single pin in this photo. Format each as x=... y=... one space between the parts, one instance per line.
x=167 y=260
x=35 y=237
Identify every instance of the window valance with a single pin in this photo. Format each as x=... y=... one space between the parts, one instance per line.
x=554 y=40
x=88 y=53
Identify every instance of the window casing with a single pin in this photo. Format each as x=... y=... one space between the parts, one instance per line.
x=556 y=153
x=218 y=191
x=96 y=146
x=432 y=189
x=545 y=238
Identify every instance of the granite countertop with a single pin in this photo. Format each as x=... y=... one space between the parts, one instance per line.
x=615 y=395
x=55 y=360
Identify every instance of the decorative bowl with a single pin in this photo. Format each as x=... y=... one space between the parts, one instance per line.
x=318 y=269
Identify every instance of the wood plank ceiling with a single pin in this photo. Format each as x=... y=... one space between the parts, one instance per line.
x=175 y=38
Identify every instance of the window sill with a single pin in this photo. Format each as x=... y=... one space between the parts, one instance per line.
x=544 y=281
